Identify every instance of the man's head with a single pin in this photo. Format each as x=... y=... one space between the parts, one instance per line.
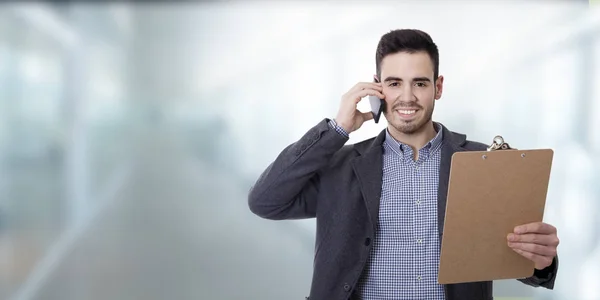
x=407 y=63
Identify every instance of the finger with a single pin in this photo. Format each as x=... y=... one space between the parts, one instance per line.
x=537 y=227
x=534 y=248
x=541 y=239
x=372 y=85
x=366 y=92
x=367 y=116
x=366 y=85
x=539 y=260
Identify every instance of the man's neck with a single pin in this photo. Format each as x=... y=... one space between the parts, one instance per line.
x=415 y=140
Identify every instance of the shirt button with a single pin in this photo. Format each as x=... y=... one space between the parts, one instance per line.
x=418 y=202
x=367 y=241
x=419 y=241
x=418 y=277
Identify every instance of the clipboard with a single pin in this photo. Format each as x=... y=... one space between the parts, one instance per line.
x=489 y=194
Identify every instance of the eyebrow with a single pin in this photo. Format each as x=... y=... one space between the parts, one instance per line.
x=392 y=78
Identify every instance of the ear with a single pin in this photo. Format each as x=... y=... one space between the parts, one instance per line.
x=439 y=87
x=375 y=78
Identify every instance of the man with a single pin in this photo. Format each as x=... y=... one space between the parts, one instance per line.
x=380 y=203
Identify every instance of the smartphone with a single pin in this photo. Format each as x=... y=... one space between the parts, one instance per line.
x=377 y=105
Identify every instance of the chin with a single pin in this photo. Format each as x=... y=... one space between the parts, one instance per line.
x=409 y=127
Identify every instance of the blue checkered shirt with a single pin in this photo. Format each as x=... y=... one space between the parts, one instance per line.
x=403 y=263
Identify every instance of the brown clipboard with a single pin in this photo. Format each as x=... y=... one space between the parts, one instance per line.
x=489 y=193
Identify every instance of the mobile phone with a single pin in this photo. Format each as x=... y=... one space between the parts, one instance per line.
x=377 y=105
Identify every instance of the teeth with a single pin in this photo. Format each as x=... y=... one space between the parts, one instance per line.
x=407 y=112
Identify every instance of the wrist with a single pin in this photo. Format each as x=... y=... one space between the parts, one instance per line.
x=339 y=129
x=344 y=125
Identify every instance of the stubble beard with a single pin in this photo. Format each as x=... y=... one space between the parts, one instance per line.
x=413 y=126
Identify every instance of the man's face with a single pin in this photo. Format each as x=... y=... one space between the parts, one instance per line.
x=409 y=90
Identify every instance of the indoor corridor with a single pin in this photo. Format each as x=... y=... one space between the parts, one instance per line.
x=169 y=227
x=131 y=133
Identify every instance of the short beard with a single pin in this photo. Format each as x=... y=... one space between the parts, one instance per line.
x=414 y=126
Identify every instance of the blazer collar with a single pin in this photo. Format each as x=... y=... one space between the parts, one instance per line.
x=452 y=139
x=368 y=167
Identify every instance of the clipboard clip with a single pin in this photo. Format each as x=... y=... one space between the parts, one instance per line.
x=498 y=144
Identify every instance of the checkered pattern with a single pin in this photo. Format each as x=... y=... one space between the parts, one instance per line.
x=337 y=128
x=403 y=262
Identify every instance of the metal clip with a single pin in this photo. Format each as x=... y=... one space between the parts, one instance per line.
x=498 y=144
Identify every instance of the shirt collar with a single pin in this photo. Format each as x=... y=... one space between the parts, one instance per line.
x=432 y=145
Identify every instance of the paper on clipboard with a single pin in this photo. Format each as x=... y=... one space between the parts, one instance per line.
x=489 y=193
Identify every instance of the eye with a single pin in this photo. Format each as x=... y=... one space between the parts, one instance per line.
x=421 y=84
x=394 y=84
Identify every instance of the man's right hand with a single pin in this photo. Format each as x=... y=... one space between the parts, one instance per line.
x=349 y=117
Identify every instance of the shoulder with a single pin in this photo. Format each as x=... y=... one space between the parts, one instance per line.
x=350 y=151
x=474 y=146
x=460 y=141
x=342 y=158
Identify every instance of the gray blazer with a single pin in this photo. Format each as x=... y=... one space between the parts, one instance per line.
x=319 y=176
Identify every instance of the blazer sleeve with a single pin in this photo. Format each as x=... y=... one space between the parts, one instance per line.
x=289 y=186
x=543 y=278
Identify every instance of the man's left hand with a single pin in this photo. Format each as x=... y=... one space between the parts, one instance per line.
x=536 y=242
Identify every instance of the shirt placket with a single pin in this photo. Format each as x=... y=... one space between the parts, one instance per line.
x=420 y=193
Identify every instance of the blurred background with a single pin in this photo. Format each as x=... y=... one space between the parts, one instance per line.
x=131 y=133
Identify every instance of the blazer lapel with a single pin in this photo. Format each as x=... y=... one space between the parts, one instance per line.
x=452 y=143
x=368 y=168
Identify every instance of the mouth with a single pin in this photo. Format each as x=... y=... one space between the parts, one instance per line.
x=407 y=113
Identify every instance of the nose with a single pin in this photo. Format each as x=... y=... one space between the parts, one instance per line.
x=407 y=93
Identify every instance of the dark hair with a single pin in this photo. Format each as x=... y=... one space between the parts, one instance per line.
x=407 y=40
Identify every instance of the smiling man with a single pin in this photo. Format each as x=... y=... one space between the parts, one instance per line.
x=378 y=203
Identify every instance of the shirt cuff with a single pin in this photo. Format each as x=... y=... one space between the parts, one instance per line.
x=338 y=128
x=547 y=273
